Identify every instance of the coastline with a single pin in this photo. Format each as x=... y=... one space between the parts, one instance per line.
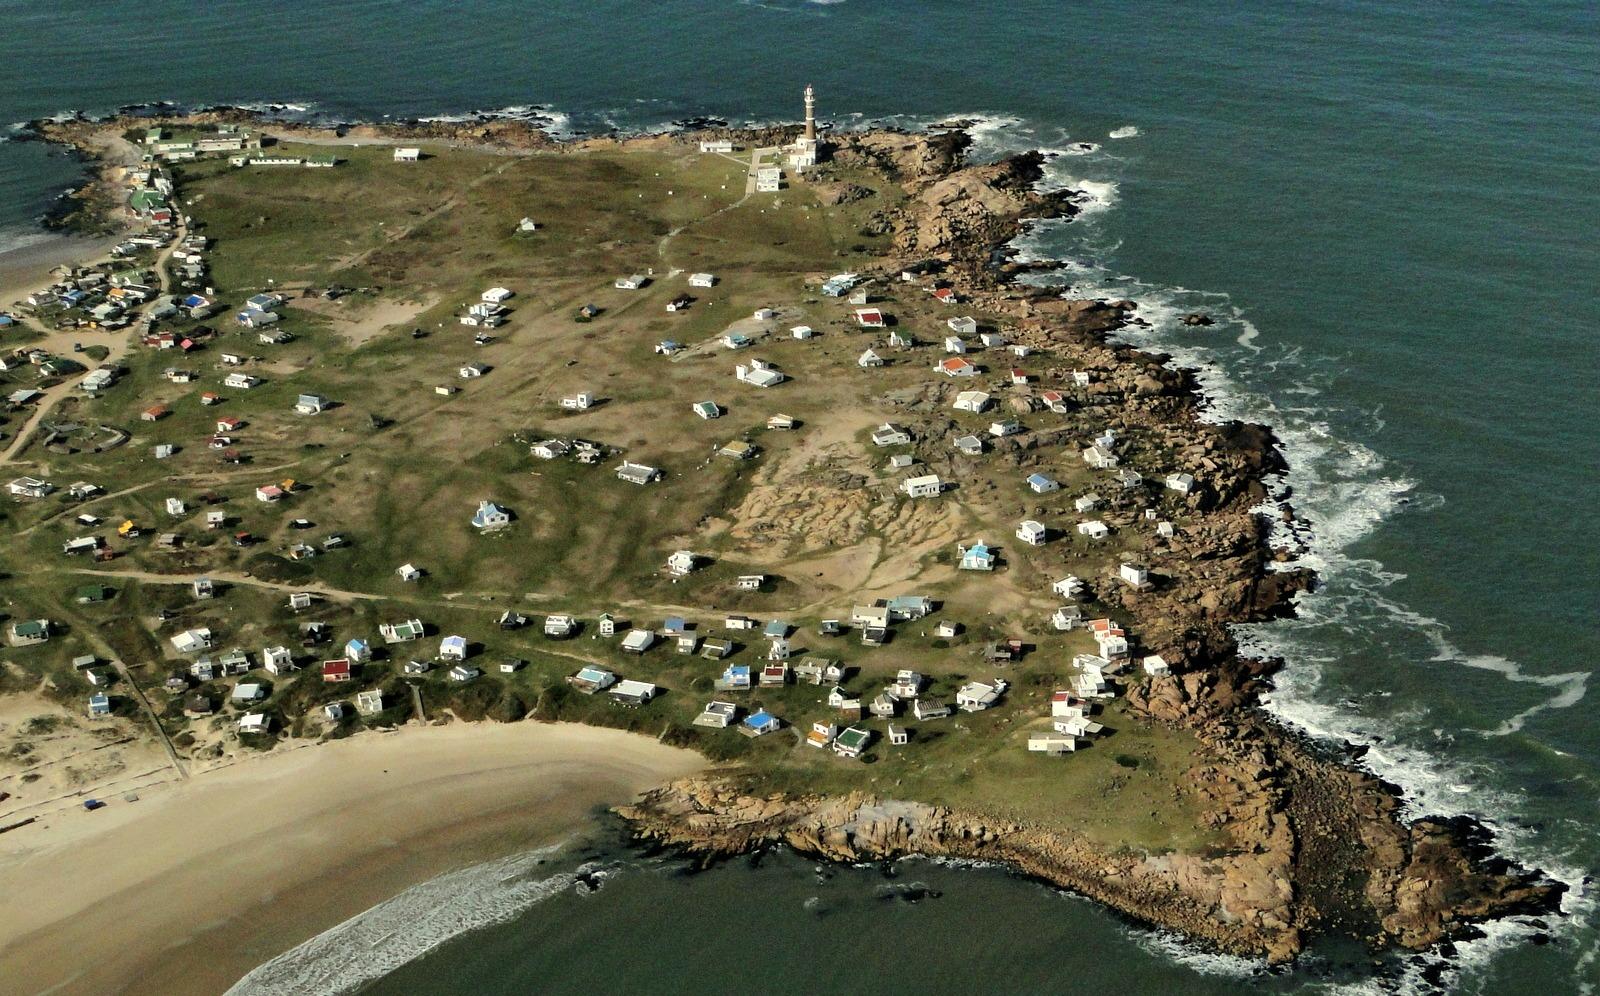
x=201 y=881
x=1216 y=692
x=27 y=267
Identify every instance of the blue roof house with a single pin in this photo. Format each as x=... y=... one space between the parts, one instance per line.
x=761 y=723
x=977 y=557
x=1042 y=484
x=735 y=679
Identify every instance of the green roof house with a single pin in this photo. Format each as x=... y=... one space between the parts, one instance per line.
x=30 y=631
x=91 y=593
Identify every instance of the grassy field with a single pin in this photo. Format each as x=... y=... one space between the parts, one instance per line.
x=397 y=469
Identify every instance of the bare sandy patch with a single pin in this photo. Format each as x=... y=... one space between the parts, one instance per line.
x=198 y=882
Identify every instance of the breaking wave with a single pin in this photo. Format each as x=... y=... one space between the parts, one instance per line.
x=400 y=930
x=1343 y=491
x=1126 y=131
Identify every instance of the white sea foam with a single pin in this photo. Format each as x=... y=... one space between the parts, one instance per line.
x=13 y=239
x=400 y=930
x=1126 y=131
x=277 y=106
x=1342 y=491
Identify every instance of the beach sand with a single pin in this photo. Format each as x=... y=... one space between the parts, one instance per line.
x=26 y=268
x=198 y=882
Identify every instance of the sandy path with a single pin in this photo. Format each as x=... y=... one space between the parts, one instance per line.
x=198 y=882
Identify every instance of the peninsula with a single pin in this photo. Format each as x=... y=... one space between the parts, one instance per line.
x=748 y=441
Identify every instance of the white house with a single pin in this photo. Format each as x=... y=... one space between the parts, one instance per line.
x=550 y=449
x=1181 y=483
x=889 y=434
x=1051 y=743
x=702 y=280
x=954 y=345
x=717 y=715
x=192 y=641
x=637 y=473
x=1066 y=618
x=407 y=155
x=681 y=562
x=869 y=359
x=1136 y=575
x=632 y=281
x=497 y=295
x=1032 y=532
x=580 y=402
x=870 y=318
x=559 y=626
x=707 y=409
x=409 y=572
x=965 y=325
x=30 y=487
x=1094 y=529
x=1088 y=503
x=1156 y=665
x=1005 y=427
x=277 y=660
x=870 y=615
x=907 y=684
x=758 y=373
x=1068 y=587
x=976 y=696
x=638 y=641
x=453 y=648
x=1099 y=457
x=802 y=332
x=927 y=486
x=1041 y=484
x=972 y=401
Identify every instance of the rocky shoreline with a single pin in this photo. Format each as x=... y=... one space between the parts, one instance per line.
x=1315 y=844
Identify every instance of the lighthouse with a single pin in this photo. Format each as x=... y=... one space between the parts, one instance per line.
x=803 y=153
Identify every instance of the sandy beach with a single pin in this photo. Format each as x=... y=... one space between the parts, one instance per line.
x=26 y=268
x=199 y=881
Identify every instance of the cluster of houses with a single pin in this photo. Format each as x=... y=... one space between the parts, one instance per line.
x=489 y=311
x=1092 y=681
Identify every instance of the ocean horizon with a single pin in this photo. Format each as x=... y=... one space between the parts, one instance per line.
x=1389 y=215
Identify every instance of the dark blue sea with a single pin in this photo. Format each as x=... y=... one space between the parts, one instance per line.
x=1391 y=208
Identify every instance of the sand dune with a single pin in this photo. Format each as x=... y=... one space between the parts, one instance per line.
x=197 y=882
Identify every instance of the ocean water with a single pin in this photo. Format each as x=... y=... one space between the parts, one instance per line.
x=1390 y=209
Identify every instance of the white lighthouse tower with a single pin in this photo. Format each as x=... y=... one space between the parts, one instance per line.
x=803 y=153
